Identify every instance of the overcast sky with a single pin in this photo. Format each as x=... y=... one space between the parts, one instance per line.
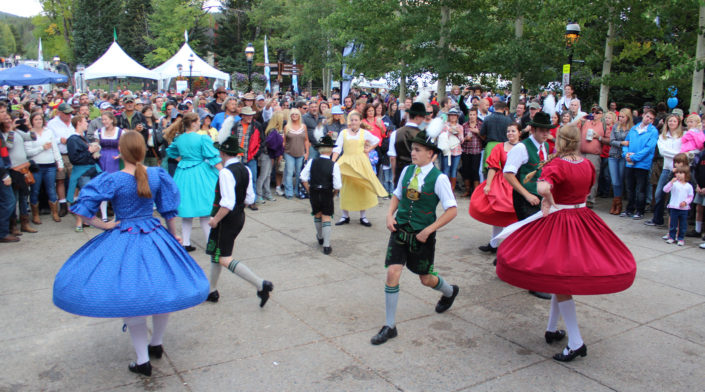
x=32 y=7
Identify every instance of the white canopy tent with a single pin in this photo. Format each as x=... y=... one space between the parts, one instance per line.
x=170 y=68
x=116 y=63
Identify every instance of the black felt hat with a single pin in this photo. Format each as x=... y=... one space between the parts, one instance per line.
x=230 y=146
x=418 y=109
x=326 y=141
x=542 y=120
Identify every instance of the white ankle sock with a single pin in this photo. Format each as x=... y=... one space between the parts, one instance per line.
x=363 y=215
x=553 y=315
x=186 y=225
x=137 y=326
x=159 y=322
x=571 y=324
x=495 y=232
x=345 y=214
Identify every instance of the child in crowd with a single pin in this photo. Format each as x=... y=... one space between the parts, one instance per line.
x=681 y=195
x=694 y=139
x=679 y=160
x=321 y=178
x=699 y=201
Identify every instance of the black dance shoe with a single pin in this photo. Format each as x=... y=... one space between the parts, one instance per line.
x=487 y=248
x=63 y=209
x=555 y=336
x=539 y=294
x=446 y=302
x=144 y=369
x=155 y=351
x=189 y=248
x=582 y=351
x=320 y=241
x=343 y=221
x=213 y=297
x=327 y=250
x=383 y=335
x=365 y=222
x=494 y=262
x=267 y=286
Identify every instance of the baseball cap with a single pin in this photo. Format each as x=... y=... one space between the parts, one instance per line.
x=65 y=108
x=106 y=105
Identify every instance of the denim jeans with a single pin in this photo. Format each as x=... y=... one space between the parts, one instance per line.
x=388 y=180
x=313 y=153
x=252 y=165
x=603 y=187
x=450 y=170
x=292 y=168
x=22 y=197
x=7 y=206
x=660 y=197
x=617 y=166
x=595 y=160
x=46 y=176
x=637 y=181
x=679 y=222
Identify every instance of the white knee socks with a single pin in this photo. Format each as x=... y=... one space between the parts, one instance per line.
x=214 y=275
x=159 y=322
x=242 y=271
x=137 y=326
x=495 y=232
x=204 y=226
x=554 y=315
x=104 y=209
x=186 y=225
x=575 y=341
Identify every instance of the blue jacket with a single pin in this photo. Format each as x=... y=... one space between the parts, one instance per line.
x=642 y=146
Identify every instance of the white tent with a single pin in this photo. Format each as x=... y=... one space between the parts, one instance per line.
x=116 y=63
x=170 y=69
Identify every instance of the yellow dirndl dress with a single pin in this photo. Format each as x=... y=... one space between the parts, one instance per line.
x=360 y=185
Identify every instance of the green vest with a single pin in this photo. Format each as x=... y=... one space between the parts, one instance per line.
x=421 y=213
x=530 y=166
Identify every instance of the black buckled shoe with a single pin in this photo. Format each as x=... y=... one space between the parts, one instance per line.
x=554 y=336
x=63 y=209
x=320 y=241
x=189 y=248
x=343 y=221
x=144 y=369
x=267 y=286
x=539 y=294
x=383 y=335
x=327 y=250
x=582 y=351
x=213 y=297
x=487 y=248
x=446 y=302
x=365 y=222
x=155 y=351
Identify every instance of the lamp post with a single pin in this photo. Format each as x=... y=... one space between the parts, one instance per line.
x=190 y=71
x=180 y=69
x=58 y=63
x=572 y=35
x=249 y=54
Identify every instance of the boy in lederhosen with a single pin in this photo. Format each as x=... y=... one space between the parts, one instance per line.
x=233 y=192
x=413 y=223
x=321 y=178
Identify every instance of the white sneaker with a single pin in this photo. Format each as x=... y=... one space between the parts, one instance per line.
x=665 y=237
x=702 y=246
x=670 y=241
x=279 y=191
x=681 y=242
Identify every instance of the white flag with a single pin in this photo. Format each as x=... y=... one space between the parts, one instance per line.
x=185 y=35
x=40 y=55
x=266 y=68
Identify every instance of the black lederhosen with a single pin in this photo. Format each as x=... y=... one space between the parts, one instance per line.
x=523 y=208
x=405 y=249
x=222 y=237
x=321 y=201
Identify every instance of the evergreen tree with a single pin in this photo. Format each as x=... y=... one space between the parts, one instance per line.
x=134 y=29
x=93 y=31
x=7 y=41
x=233 y=31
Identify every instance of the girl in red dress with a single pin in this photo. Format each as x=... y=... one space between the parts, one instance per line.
x=575 y=261
x=491 y=202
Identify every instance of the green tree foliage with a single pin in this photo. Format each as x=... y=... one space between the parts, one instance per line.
x=93 y=31
x=133 y=30
x=53 y=41
x=233 y=31
x=7 y=41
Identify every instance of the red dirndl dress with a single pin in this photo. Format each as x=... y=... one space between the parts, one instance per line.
x=495 y=208
x=571 y=251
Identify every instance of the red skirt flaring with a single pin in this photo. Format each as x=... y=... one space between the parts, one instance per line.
x=570 y=251
x=495 y=208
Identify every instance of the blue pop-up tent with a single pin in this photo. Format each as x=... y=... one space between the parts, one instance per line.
x=24 y=75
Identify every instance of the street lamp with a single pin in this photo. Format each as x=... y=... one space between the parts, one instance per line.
x=249 y=54
x=190 y=71
x=179 y=68
x=572 y=35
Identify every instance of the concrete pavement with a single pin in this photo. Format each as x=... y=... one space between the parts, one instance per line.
x=314 y=333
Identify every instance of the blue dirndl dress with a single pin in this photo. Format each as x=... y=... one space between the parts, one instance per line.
x=136 y=269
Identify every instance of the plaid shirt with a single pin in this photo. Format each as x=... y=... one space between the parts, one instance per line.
x=474 y=145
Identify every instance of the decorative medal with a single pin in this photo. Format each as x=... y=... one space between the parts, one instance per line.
x=412 y=194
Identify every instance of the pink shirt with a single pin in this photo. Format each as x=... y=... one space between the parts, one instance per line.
x=694 y=139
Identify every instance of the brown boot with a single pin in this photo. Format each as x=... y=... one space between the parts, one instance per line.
x=452 y=183
x=467 y=188
x=24 y=224
x=55 y=211
x=9 y=238
x=35 y=214
x=614 y=204
x=618 y=207
x=14 y=230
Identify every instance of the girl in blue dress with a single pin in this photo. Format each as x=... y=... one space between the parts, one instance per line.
x=196 y=173
x=135 y=268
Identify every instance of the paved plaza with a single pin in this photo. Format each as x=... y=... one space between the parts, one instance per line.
x=314 y=333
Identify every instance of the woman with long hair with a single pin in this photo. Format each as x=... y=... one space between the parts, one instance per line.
x=669 y=144
x=561 y=249
x=360 y=185
x=137 y=267
x=195 y=175
x=616 y=162
x=296 y=148
x=108 y=137
x=274 y=148
x=82 y=156
x=45 y=152
x=153 y=137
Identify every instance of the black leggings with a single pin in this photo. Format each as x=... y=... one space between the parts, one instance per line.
x=470 y=169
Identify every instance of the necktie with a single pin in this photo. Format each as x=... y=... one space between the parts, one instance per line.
x=542 y=157
x=414 y=184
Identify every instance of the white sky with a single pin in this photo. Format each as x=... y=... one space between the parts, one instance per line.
x=32 y=7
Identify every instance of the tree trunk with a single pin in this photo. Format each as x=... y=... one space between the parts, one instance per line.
x=516 y=80
x=442 y=76
x=607 y=63
x=402 y=87
x=697 y=95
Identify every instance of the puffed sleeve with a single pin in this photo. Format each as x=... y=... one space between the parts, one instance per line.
x=173 y=150
x=551 y=173
x=99 y=189
x=167 y=198
x=494 y=161
x=209 y=152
